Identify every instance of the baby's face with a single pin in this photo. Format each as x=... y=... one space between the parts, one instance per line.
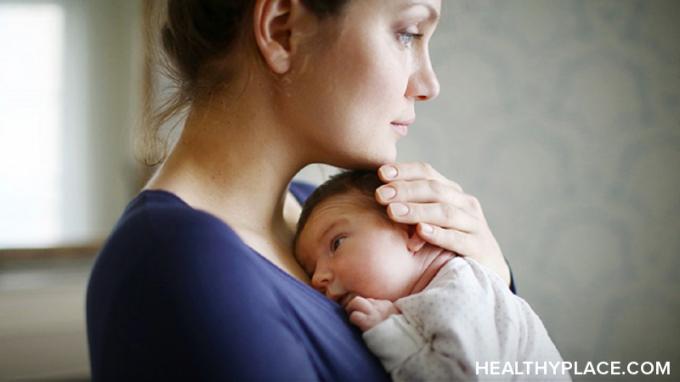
x=349 y=248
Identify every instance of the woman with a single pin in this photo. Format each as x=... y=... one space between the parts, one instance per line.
x=198 y=280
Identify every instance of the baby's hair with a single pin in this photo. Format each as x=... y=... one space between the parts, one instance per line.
x=363 y=182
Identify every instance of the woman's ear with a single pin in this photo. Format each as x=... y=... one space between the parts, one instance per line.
x=274 y=23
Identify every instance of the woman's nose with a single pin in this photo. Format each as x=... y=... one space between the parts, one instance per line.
x=423 y=84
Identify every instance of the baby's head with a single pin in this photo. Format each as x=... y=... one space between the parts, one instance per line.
x=348 y=245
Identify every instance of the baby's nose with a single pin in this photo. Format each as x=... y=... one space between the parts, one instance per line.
x=321 y=280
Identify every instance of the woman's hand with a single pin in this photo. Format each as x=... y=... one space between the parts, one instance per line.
x=415 y=193
x=368 y=312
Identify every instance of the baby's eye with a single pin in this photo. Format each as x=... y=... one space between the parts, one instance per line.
x=406 y=38
x=335 y=243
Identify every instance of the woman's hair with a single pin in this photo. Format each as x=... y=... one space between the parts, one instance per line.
x=362 y=182
x=195 y=38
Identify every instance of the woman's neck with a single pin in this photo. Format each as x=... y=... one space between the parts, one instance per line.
x=433 y=259
x=235 y=164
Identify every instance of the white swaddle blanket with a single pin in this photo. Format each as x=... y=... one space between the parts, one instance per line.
x=456 y=329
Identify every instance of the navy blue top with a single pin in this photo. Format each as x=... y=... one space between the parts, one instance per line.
x=175 y=294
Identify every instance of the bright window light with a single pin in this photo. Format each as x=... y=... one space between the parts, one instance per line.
x=31 y=108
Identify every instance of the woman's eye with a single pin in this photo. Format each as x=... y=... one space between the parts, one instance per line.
x=406 y=38
x=335 y=243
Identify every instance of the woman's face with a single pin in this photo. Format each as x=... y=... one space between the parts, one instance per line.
x=353 y=94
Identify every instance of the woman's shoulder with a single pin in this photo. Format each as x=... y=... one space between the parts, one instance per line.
x=158 y=230
x=163 y=211
x=161 y=241
x=162 y=216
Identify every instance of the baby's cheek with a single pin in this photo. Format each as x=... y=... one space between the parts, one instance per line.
x=368 y=283
x=374 y=279
x=396 y=270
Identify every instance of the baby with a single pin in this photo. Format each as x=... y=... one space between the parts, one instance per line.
x=427 y=314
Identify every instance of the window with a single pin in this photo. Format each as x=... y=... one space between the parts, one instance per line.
x=31 y=118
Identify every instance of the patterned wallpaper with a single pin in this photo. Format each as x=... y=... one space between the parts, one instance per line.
x=563 y=118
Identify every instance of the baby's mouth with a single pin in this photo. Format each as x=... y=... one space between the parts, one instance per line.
x=345 y=299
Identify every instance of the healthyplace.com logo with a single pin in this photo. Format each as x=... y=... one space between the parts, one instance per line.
x=574 y=368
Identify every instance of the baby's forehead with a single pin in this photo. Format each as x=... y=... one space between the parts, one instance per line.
x=334 y=207
x=349 y=207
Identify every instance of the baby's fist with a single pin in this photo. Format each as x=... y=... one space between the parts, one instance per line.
x=368 y=312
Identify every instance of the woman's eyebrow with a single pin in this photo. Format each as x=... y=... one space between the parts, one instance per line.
x=434 y=15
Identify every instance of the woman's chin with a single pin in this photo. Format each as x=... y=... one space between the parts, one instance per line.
x=387 y=157
x=371 y=160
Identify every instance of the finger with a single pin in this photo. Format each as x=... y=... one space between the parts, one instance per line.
x=440 y=214
x=422 y=191
x=360 y=304
x=359 y=319
x=384 y=306
x=459 y=242
x=411 y=171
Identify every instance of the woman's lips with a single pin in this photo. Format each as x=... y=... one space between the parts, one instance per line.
x=400 y=128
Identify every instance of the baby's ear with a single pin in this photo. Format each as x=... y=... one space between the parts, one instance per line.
x=415 y=242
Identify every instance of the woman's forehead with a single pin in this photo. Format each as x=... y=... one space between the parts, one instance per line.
x=433 y=6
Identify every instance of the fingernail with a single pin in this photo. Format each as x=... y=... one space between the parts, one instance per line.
x=389 y=172
x=426 y=228
x=387 y=193
x=399 y=209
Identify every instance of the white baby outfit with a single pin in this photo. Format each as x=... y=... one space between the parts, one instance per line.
x=465 y=315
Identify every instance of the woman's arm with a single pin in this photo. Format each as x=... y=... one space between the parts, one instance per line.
x=445 y=216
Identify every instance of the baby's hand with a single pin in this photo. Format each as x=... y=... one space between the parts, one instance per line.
x=368 y=312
